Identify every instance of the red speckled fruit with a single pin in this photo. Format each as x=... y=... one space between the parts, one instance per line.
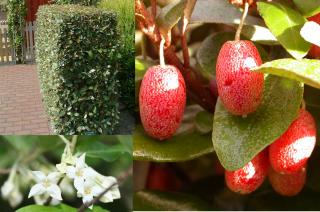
x=314 y=51
x=162 y=101
x=250 y=177
x=239 y=89
x=287 y=184
x=290 y=152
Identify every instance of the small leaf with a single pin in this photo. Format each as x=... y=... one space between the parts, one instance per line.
x=170 y=15
x=203 y=122
x=208 y=11
x=311 y=32
x=97 y=149
x=259 y=34
x=182 y=147
x=285 y=24
x=309 y=7
x=237 y=140
x=40 y=208
x=305 y=70
x=167 y=201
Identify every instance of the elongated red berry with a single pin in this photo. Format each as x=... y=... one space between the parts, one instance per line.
x=239 y=89
x=290 y=152
x=314 y=51
x=250 y=177
x=287 y=184
x=162 y=101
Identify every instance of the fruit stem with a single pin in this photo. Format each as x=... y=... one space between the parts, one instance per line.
x=161 y=52
x=303 y=104
x=244 y=15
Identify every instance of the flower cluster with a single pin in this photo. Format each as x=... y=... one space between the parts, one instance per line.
x=87 y=182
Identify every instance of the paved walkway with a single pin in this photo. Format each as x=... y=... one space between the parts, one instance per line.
x=21 y=109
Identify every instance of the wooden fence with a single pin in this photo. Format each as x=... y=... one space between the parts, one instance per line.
x=7 y=54
x=29 y=50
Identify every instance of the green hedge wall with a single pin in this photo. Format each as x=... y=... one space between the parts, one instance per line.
x=82 y=2
x=77 y=58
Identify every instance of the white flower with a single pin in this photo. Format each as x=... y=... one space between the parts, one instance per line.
x=7 y=189
x=15 y=198
x=46 y=185
x=105 y=182
x=79 y=172
x=11 y=192
x=88 y=191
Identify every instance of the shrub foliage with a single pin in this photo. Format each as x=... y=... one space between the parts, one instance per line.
x=77 y=58
x=16 y=12
x=126 y=26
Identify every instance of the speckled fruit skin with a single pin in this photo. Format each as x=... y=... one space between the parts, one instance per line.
x=162 y=101
x=290 y=152
x=250 y=177
x=314 y=51
x=239 y=89
x=287 y=184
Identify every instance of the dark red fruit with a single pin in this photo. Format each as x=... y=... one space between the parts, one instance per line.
x=314 y=51
x=162 y=101
x=213 y=87
x=250 y=177
x=162 y=178
x=239 y=89
x=287 y=184
x=290 y=152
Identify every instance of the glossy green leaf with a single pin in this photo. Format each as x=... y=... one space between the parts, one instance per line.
x=285 y=24
x=58 y=208
x=170 y=15
x=237 y=140
x=182 y=147
x=97 y=149
x=167 y=201
x=305 y=70
x=308 y=7
x=209 y=50
x=259 y=34
x=208 y=11
x=203 y=122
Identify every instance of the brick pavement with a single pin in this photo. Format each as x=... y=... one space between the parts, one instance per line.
x=21 y=109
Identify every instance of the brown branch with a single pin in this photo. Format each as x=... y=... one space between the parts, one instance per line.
x=154 y=8
x=198 y=86
x=5 y=171
x=121 y=180
x=184 y=44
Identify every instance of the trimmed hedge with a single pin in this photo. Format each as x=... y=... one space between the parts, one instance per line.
x=82 y=2
x=76 y=48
